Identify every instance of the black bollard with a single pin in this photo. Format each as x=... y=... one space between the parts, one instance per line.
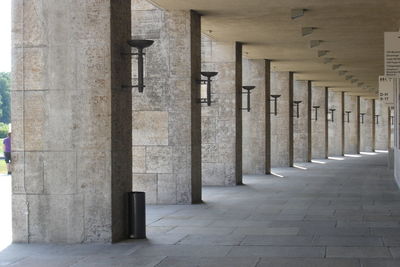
x=137 y=215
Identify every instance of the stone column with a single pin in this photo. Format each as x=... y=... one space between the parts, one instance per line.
x=309 y=121
x=268 y=116
x=373 y=125
x=167 y=116
x=366 y=131
x=358 y=105
x=342 y=114
x=254 y=121
x=300 y=125
x=351 y=127
x=335 y=126
x=319 y=126
x=219 y=120
x=280 y=136
x=381 y=126
x=72 y=124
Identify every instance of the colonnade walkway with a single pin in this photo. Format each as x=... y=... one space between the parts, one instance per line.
x=337 y=212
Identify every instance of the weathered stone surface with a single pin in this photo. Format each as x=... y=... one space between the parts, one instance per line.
x=335 y=127
x=280 y=122
x=219 y=121
x=166 y=117
x=70 y=120
x=351 y=127
x=318 y=126
x=150 y=128
x=382 y=138
x=254 y=121
x=300 y=125
x=366 y=126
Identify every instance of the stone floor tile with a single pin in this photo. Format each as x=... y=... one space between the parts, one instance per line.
x=300 y=262
x=275 y=251
x=379 y=263
x=183 y=250
x=267 y=240
x=347 y=241
x=357 y=252
x=208 y=262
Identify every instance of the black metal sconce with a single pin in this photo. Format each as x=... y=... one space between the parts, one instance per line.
x=296 y=104
x=392 y=120
x=275 y=99
x=332 y=112
x=376 y=118
x=208 y=75
x=140 y=45
x=348 y=116
x=316 y=112
x=248 y=89
x=362 y=117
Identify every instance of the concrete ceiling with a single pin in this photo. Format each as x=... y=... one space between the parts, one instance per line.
x=352 y=31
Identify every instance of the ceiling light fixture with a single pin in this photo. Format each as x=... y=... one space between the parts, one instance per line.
x=337 y=66
x=322 y=53
x=297 y=13
x=307 y=30
x=315 y=43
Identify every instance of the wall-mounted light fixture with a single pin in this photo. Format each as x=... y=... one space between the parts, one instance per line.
x=296 y=104
x=328 y=60
x=331 y=114
x=207 y=83
x=392 y=120
x=376 y=119
x=316 y=112
x=348 y=116
x=322 y=53
x=362 y=117
x=297 y=13
x=315 y=43
x=275 y=99
x=248 y=89
x=140 y=45
x=307 y=30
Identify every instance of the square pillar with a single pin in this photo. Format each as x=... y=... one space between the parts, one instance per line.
x=366 y=128
x=319 y=130
x=282 y=123
x=254 y=121
x=268 y=116
x=166 y=134
x=335 y=126
x=72 y=121
x=358 y=124
x=221 y=120
x=300 y=125
x=351 y=140
x=381 y=126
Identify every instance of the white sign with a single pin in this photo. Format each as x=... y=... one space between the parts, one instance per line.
x=392 y=54
x=387 y=86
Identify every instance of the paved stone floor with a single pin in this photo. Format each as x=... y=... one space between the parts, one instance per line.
x=337 y=212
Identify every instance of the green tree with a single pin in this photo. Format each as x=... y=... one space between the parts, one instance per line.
x=5 y=97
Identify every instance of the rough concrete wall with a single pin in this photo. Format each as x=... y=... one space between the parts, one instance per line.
x=280 y=123
x=166 y=117
x=381 y=141
x=335 y=127
x=350 y=142
x=219 y=119
x=366 y=127
x=300 y=125
x=254 y=121
x=67 y=112
x=318 y=126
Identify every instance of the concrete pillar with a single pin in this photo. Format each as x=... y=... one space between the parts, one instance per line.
x=300 y=125
x=373 y=124
x=254 y=121
x=342 y=114
x=381 y=126
x=167 y=116
x=351 y=145
x=72 y=124
x=326 y=122
x=358 y=105
x=268 y=116
x=319 y=126
x=219 y=120
x=335 y=126
x=280 y=124
x=238 y=130
x=366 y=128
x=309 y=121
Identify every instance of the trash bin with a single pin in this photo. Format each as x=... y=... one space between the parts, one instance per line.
x=137 y=215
